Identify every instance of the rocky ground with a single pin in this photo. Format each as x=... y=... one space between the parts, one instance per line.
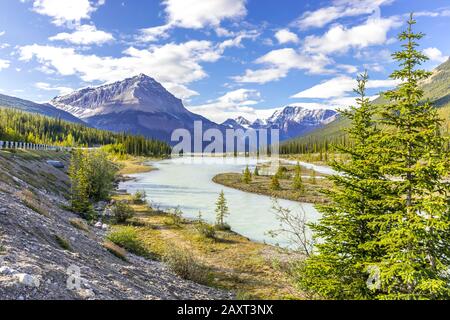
x=44 y=255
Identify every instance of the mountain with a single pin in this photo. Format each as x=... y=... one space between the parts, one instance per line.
x=296 y=121
x=436 y=89
x=137 y=105
x=292 y=121
x=238 y=123
x=43 y=109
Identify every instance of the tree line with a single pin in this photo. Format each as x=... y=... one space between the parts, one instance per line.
x=33 y=128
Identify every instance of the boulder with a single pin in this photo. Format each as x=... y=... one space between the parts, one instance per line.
x=28 y=280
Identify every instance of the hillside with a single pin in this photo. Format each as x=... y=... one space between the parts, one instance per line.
x=436 y=89
x=41 y=244
x=28 y=127
x=42 y=109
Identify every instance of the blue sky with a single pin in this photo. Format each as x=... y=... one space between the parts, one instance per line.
x=224 y=58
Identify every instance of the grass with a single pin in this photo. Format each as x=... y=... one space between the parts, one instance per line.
x=115 y=250
x=227 y=261
x=29 y=199
x=262 y=185
x=127 y=237
x=63 y=243
x=133 y=165
x=184 y=264
x=79 y=224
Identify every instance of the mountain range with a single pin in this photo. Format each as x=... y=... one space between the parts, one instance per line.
x=140 y=105
x=292 y=121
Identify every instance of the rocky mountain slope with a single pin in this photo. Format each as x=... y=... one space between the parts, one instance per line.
x=292 y=121
x=42 y=245
x=43 y=109
x=138 y=105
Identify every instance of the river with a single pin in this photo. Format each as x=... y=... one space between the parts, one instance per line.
x=187 y=183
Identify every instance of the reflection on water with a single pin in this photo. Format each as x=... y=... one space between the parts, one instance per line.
x=187 y=183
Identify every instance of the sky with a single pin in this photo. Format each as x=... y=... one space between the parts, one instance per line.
x=223 y=58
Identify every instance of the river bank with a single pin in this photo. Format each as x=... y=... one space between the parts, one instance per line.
x=229 y=261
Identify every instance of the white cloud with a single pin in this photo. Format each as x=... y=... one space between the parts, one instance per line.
x=237 y=40
x=339 y=9
x=172 y=64
x=231 y=105
x=154 y=33
x=340 y=87
x=433 y=14
x=195 y=14
x=47 y=87
x=2 y=33
x=4 y=64
x=339 y=39
x=67 y=11
x=279 y=62
x=435 y=55
x=285 y=36
x=84 y=35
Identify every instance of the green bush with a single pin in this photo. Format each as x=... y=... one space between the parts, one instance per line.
x=206 y=230
x=222 y=227
x=183 y=263
x=176 y=216
x=139 y=197
x=127 y=238
x=122 y=211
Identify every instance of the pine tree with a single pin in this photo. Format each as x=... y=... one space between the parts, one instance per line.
x=247 y=176
x=222 y=211
x=338 y=270
x=275 y=183
x=313 y=177
x=256 y=173
x=415 y=226
x=297 y=182
x=79 y=184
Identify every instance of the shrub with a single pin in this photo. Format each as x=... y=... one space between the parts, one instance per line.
x=176 y=216
x=139 y=197
x=122 y=211
x=127 y=238
x=29 y=199
x=223 y=227
x=183 y=263
x=63 y=243
x=79 y=224
x=206 y=230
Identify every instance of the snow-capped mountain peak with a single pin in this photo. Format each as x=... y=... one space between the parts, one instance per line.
x=139 y=93
x=292 y=121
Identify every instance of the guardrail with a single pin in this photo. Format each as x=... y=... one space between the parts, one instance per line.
x=30 y=146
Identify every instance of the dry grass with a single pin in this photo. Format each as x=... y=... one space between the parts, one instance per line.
x=229 y=261
x=115 y=250
x=29 y=199
x=79 y=224
x=134 y=165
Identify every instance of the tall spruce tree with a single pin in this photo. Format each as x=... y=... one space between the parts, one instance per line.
x=415 y=224
x=222 y=211
x=338 y=269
